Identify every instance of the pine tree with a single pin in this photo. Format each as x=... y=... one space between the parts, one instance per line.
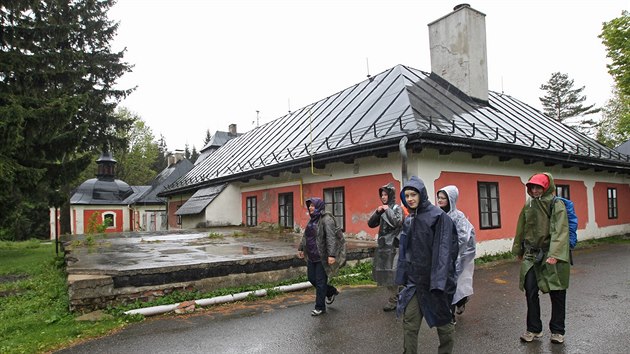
x=194 y=155
x=562 y=101
x=57 y=101
x=161 y=161
x=208 y=137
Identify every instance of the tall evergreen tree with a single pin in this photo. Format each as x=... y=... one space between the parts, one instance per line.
x=194 y=154
x=57 y=100
x=187 y=152
x=562 y=101
x=161 y=161
x=208 y=137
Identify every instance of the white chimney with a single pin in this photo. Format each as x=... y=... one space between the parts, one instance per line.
x=174 y=158
x=458 y=50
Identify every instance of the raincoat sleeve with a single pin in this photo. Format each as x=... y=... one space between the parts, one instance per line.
x=302 y=243
x=393 y=216
x=374 y=220
x=401 y=269
x=517 y=246
x=444 y=252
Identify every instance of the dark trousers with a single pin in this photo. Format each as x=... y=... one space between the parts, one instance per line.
x=317 y=276
x=558 y=306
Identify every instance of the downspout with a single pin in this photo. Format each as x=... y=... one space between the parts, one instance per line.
x=157 y=310
x=161 y=309
x=402 y=146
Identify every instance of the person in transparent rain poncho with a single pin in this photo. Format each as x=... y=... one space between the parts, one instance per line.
x=447 y=198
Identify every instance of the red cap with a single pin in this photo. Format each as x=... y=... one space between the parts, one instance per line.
x=540 y=179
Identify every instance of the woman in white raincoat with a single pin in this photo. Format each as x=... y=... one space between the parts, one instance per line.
x=465 y=265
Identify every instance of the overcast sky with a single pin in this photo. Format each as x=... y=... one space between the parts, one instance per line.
x=203 y=64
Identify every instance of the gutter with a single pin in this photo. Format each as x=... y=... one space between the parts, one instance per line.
x=423 y=140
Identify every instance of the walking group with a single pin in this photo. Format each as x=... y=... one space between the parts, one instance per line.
x=425 y=257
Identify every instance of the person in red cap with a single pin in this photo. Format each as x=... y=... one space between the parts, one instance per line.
x=542 y=245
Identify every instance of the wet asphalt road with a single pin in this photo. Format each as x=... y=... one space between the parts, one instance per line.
x=598 y=309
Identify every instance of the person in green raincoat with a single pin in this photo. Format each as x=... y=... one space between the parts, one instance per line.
x=542 y=245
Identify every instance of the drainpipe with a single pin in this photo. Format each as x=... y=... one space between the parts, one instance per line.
x=402 y=146
x=158 y=310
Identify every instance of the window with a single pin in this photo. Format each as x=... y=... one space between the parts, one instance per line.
x=285 y=210
x=489 y=210
x=179 y=217
x=334 y=201
x=251 y=215
x=612 y=203
x=109 y=220
x=562 y=190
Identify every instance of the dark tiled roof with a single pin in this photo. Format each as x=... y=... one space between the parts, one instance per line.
x=219 y=139
x=624 y=148
x=106 y=192
x=163 y=179
x=200 y=200
x=372 y=116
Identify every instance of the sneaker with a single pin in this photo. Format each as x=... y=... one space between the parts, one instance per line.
x=460 y=309
x=330 y=299
x=389 y=307
x=529 y=336
x=317 y=312
x=557 y=338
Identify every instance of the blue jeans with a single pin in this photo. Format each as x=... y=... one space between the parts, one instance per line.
x=317 y=276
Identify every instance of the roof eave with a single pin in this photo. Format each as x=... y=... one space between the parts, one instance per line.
x=418 y=141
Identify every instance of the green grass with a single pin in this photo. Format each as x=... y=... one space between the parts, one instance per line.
x=607 y=240
x=581 y=244
x=34 y=314
x=490 y=258
x=34 y=308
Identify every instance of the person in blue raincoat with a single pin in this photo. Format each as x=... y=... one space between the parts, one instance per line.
x=426 y=268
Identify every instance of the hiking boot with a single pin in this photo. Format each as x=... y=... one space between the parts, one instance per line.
x=389 y=307
x=557 y=338
x=529 y=336
x=330 y=299
x=317 y=312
